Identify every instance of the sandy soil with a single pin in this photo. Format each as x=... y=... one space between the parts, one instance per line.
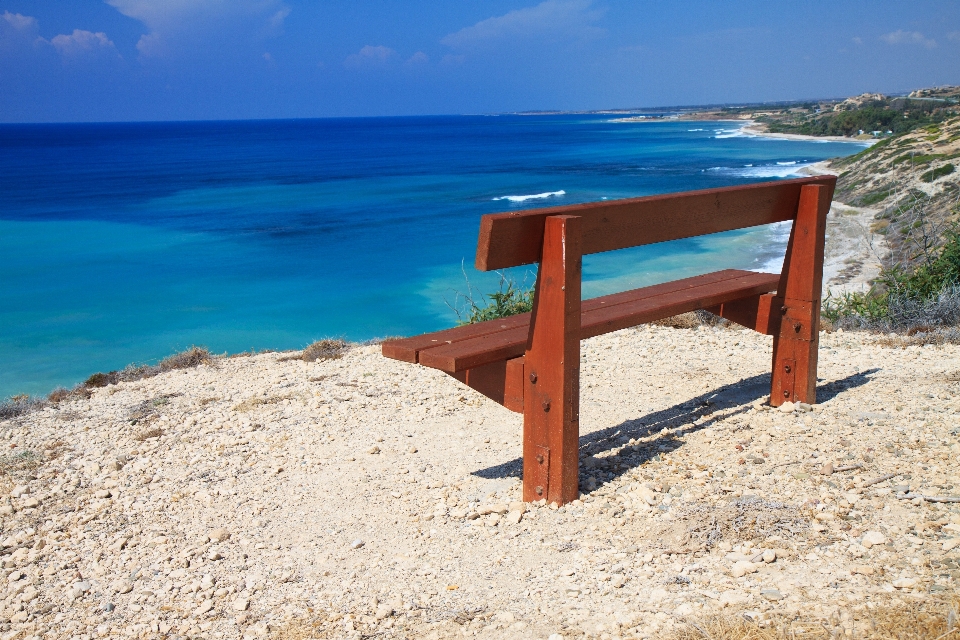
x=853 y=253
x=760 y=130
x=264 y=495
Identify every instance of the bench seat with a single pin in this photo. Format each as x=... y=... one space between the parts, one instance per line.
x=471 y=346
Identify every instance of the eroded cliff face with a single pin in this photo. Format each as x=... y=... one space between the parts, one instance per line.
x=912 y=182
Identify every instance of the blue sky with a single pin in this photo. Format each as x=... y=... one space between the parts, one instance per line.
x=100 y=60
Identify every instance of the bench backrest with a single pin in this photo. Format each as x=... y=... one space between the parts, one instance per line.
x=516 y=238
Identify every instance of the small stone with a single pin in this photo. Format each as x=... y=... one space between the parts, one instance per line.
x=905 y=583
x=83 y=586
x=19 y=491
x=771 y=594
x=373 y=450
x=204 y=607
x=873 y=538
x=787 y=407
x=827 y=469
x=742 y=568
x=951 y=544
x=617 y=581
x=31 y=503
x=356 y=544
x=107 y=607
x=383 y=611
x=122 y=586
x=241 y=604
x=518 y=506
x=218 y=535
x=514 y=517
x=769 y=556
x=863 y=569
x=493 y=519
x=803 y=406
x=412 y=450
x=102 y=493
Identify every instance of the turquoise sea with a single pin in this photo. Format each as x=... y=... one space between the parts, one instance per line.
x=123 y=243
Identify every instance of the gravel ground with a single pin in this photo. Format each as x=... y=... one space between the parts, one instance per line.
x=266 y=496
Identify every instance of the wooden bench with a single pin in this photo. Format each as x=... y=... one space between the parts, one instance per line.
x=530 y=363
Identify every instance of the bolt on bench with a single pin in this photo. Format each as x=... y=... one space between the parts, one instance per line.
x=530 y=363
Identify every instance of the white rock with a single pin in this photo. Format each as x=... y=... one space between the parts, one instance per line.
x=513 y=517
x=204 y=607
x=122 y=586
x=951 y=544
x=787 y=407
x=769 y=556
x=356 y=544
x=19 y=491
x=241 y=604
x=873 y=538
x=905 y=583
x=742 y=568
x=219 y=535
x=732 y=599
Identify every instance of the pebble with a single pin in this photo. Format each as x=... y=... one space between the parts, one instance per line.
x=205 y=606
x=356 y=544
x=769 y=556
x=787 y=407
x=742 y=568
x=373 y=450
x=771 y=594
x=19 y=491
x=873 y=538
x=827 y=469
x=904 y=583
x=218 y=535
x=241 y=604
x=951 y=544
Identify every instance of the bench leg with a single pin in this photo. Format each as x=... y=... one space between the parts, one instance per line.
x=551 y=398
x=795 y=345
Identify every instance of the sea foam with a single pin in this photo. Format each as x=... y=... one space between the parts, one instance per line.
x=535 y=196
x=778 y=170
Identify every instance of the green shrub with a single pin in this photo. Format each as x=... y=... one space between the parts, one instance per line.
x=510 y=300
x=939 y=172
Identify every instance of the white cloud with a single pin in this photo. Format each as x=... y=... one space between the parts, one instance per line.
x=908 y=37
x=954 y=35
x=81 y=42
x=170 y=22
x=276 y=20
x=370 y=56
x=417 y=59
x=19 y=21
x=857 y=40
x=571 y=18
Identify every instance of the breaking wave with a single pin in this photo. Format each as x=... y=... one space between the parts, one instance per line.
x=535 y=196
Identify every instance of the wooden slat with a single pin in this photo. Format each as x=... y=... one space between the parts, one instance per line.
x=633 y=308
x=515 y=238
x=407 y=349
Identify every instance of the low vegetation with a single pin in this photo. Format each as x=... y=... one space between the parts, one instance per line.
x=23 y=404
x=930 y=618
x=511 y=299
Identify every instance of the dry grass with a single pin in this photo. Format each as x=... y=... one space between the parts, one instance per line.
x=921 y=336
x=693 y=319
x=930 y=618
x=155 y=432
x=747 y=518
x=252 y=403
x=22 y=404
x=320 y=350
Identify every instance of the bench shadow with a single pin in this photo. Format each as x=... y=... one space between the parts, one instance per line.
x=679 y=420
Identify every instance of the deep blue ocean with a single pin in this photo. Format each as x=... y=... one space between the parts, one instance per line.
x=123 y=243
